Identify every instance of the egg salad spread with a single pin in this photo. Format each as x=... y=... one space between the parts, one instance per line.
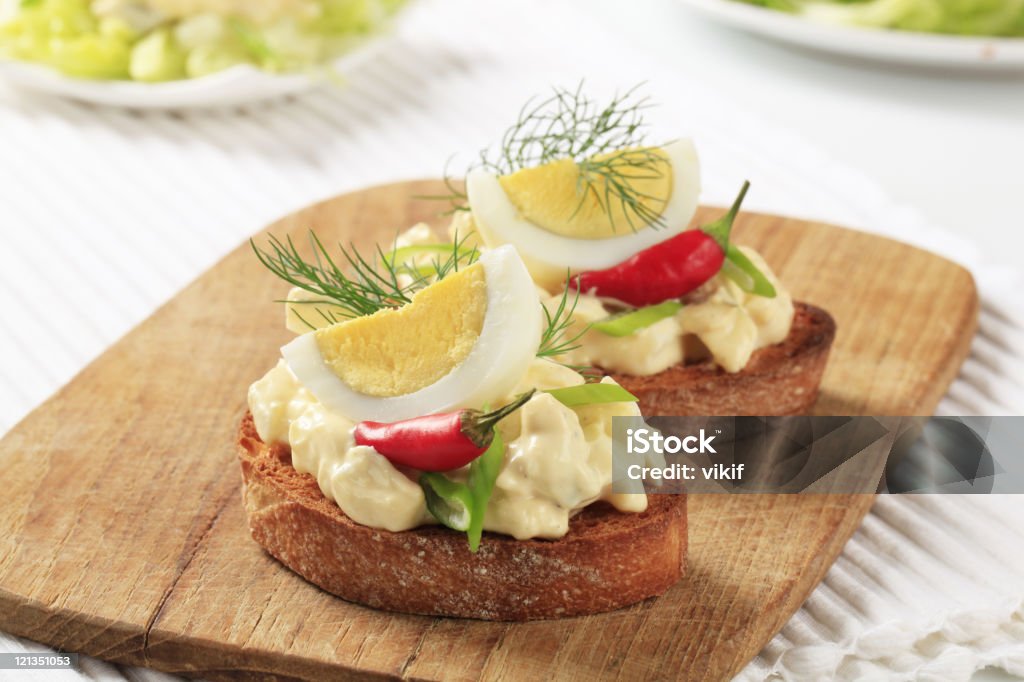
x=593 y=206
x=557 y=459
x=437 y=381
x=720 y=320
x=422 y=391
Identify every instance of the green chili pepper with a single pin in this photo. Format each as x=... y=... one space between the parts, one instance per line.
x=462 y=506
x=742 y=270
x=483 y=473
x=450 y=502
x=592 y=394
x=633 y=321
x=404 y=254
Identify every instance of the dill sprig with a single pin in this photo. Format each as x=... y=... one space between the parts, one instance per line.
x=386 y=282
x=455 y=190
x=368 y=285
x=438 y=268
x=570 y=125
x=555 y=340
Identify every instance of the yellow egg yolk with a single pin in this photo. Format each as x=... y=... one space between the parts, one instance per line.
x=584 y=201
x=399 y=351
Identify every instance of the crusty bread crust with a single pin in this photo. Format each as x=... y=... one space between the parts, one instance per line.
x=779 y=380
x=608 y=560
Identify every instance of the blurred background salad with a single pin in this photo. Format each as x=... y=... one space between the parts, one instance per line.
x=165 y=40
x=1004 y=18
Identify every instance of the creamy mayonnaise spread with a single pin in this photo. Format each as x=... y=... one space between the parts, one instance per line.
x=721 y=321
x=728 y=326
x=557 y=459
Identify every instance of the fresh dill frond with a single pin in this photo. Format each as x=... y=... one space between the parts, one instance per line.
x=459 y=256
x=570 y=125
x=324 y=278
x=455 y=253
x=386 y=282
x=364 y=286
x=320 y=307
x=455 y=192
x=607 y=143
x=555 y=339
x=615 y=175
x=328 y=316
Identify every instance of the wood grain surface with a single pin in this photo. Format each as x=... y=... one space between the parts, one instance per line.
x=122 y=533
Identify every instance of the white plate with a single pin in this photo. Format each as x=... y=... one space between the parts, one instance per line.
x=242 y=84
x=921 y=49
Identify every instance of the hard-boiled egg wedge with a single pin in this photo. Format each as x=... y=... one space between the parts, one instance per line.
x=555 y=223
x=463 y=341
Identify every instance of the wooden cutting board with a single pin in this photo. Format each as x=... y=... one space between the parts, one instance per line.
x=123 y=536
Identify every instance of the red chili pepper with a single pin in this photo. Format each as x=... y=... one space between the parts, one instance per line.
x=669 y=269
x=436 y=442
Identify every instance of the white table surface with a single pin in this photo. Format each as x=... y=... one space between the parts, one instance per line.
x=950 y=144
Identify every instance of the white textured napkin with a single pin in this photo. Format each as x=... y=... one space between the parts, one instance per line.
x=108 y=213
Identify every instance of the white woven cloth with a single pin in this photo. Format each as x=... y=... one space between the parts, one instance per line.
x=108 y=213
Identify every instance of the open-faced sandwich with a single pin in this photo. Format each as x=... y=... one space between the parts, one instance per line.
x=417 y=449
x=677 y=313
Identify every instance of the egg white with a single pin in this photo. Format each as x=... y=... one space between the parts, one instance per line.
x=502 y=353
x=548 y=255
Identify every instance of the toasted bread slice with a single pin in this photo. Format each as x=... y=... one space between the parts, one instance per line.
x=609 y=559
x=779 y=380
